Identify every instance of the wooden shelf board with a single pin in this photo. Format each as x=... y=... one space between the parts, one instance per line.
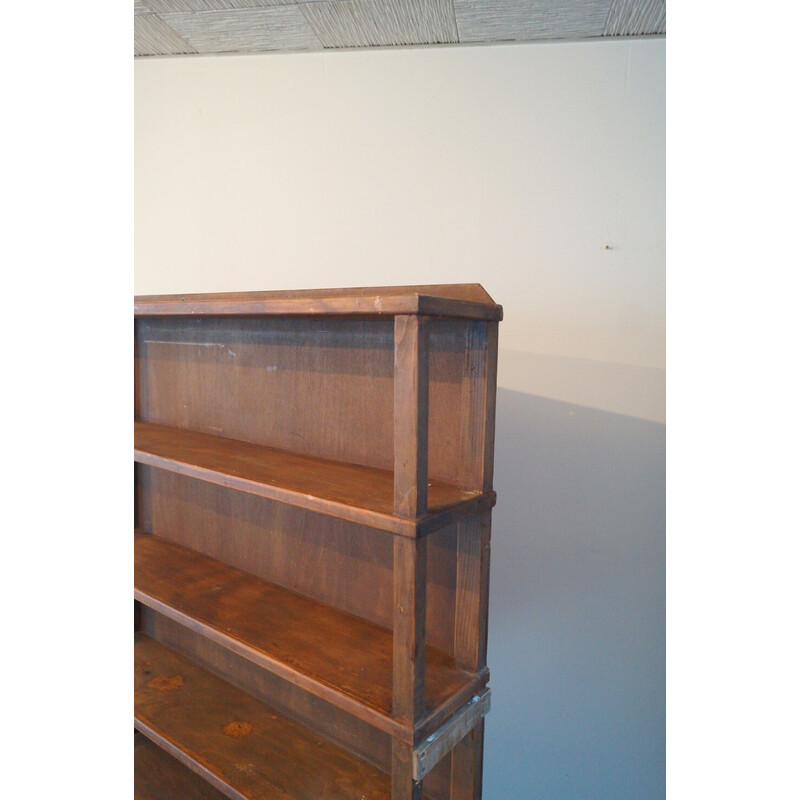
x=338 y=657
x=159 y=776
x=470 y=301
x=356 y=493
x=243 y=747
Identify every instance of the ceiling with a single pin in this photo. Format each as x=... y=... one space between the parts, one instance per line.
x=189 y=27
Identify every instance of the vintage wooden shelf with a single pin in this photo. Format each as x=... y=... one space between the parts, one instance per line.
x=240 y=745
x=313 y=477
x=336 y=656
x=349 y=491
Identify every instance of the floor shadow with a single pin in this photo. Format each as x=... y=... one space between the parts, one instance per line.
x=576 y=633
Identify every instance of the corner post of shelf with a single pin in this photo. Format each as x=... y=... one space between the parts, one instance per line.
x=478 y=392
x=411 y=383
x=473 y=548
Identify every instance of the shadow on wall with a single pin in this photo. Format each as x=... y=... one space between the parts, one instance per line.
x=576 y=632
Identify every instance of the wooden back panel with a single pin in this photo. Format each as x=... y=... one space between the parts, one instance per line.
x=339 y=563
x=314 y=386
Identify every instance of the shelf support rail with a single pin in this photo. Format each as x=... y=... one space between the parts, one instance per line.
x=428 y=753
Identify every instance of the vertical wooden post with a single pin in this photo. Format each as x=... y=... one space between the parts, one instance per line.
x=479 y=387
x=404 y=787
x=136 y=415
x=408 y=677
x=472 y=592
x=466 y=766
x=410 y=555
x=487 y=455
x=410 y=416
x=136 y=406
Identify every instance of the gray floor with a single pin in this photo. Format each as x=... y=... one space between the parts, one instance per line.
x=576 y=631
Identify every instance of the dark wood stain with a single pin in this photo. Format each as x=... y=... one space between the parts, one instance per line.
x=348 y=491
x=277 y=759
x=348 y=731
x=313 y=494
x=457 y=300
x=339 y=657
x=309 y=386
x=158 y=776
x=298 y=549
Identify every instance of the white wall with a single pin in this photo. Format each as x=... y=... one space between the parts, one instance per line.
x=511 y=166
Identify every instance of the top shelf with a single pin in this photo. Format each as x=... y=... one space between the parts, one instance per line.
x=461 y=300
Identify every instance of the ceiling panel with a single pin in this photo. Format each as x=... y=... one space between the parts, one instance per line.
x=183 y=27
x=636 y=17
x=512 y=20
x=152 y=36
x=245 y=30
x=179 y=6
x=363 y=23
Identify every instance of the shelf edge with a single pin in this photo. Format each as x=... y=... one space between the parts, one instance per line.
x=400 y=526
x=185 y=758
x=344 y=702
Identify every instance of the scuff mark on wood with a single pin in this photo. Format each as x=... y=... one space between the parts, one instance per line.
x=237 y=730
x=166 y=684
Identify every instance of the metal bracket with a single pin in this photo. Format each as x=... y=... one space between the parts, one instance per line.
x=428 y=753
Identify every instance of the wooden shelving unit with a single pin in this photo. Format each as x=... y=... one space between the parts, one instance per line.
x=313 y=514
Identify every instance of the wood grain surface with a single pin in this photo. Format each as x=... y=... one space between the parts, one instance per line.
x=158 y=776
x=313 y=494
x=316 y=387
x=344 y=660
x=411 y=385
x=240 y=745
x=348 y=491
x=453 y=300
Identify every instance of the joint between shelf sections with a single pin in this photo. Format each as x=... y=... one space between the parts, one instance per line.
x=428 y=753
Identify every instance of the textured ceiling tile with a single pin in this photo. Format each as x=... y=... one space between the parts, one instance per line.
x=363 y=23
x=635 y=17
x=247 y=30
x=524 y=20
x=183 y=6
x=153 y=37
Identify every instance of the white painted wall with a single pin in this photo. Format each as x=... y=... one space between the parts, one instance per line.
x=511 y=166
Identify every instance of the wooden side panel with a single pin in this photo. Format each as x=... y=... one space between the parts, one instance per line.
x=472 y=592
x=449 y=371
x=478 y=390
x=491 y=405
